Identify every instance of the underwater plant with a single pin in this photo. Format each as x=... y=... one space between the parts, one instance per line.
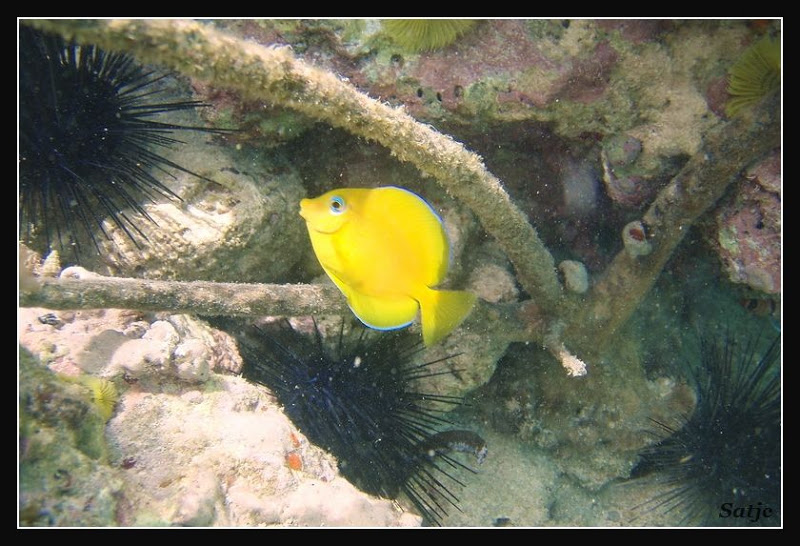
x=419 y=35
x=88 y=135
x=358 y=400
x=724 y=459
x=755 y=74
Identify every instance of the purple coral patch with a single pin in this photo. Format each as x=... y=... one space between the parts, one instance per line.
x=749 y=229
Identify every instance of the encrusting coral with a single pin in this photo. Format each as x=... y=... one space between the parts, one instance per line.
x=698 y=186
x=572 y=324
x=274 y=74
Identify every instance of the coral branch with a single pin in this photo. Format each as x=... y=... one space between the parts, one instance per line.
x=78 y=289
x=274 y=74
x=726 y=152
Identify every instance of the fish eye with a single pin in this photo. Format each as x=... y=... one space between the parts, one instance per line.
x=337 y=205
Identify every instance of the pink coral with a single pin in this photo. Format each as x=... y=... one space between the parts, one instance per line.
x=749 y=229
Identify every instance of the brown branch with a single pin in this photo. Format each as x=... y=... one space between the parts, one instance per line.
x=274 y=74
x=196 y=297
x=726 y=152
x=79 y=289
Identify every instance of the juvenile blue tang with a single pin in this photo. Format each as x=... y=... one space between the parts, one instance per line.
x=386 y=250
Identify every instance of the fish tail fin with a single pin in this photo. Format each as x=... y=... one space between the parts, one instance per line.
x=442 y=311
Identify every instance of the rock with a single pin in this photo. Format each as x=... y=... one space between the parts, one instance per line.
x=64 y=478
x=191 y=359
x=493 y=283
x=186 y=445
x=748 y=228
x=241 y=228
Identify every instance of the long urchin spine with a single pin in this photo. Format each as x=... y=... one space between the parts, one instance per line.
x=359 y=402
x=727 y=452
x=88 y=140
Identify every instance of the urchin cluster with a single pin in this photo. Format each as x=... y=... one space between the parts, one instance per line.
x=89 y=136
x=359 y=402
x=721 y=465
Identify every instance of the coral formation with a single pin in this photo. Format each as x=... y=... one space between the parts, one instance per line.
x=748 y=228
x=205 y=452
x=554 y=107
x=64 y=479
x=627 y=181
x=689 y=194
x=238 y=228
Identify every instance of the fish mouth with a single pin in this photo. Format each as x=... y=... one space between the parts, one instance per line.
x=303 y=208
x=316 y=229
x=307 y=211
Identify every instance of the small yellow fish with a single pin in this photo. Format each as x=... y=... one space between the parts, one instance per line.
x=385 y=248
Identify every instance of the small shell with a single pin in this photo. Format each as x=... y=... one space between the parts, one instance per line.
x=576 y=279
x=634 y=237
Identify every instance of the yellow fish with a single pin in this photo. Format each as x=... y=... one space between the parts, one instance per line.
x=385 y=248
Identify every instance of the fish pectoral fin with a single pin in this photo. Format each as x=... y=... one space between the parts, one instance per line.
x=442 y=311
x=336 y=277
x=382 y=312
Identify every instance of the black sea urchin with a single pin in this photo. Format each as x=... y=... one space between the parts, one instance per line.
x=722 y=465
x=87 y=138
x=358 y=402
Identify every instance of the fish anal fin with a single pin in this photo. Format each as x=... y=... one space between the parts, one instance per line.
x=382 y=312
